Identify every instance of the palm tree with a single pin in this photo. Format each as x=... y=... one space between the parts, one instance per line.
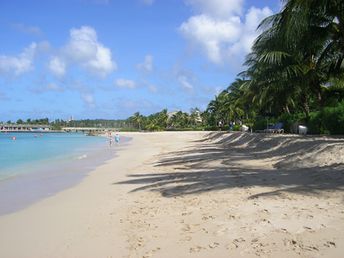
x=291 y=59
x=219 y=108
x=137 y=119
x=316 y=29
x=238 y=104
x=180 y=120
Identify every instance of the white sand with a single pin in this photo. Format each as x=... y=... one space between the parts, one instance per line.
x=174 y=194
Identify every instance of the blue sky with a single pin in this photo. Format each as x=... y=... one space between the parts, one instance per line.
x=111 y=58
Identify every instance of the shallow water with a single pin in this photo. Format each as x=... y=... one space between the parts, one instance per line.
x=31 y=148
x=34 y=166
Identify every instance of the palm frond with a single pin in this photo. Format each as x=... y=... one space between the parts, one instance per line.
x=273 y=57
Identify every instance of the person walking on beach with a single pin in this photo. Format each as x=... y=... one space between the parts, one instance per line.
x=117 y=138
x=110 y=139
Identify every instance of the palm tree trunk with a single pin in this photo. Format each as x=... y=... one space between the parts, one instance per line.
x=318 y=92
x=305 y=105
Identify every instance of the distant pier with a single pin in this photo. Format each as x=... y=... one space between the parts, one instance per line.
x=90 y=130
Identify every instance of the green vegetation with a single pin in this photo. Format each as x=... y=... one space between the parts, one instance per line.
x=167 y=121
x=294 y=72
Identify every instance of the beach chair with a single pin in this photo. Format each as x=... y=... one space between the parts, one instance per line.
x=277 y=128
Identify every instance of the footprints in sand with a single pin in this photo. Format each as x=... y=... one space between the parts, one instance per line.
x=213 y=224
x=190 y=228
x=199 y=248
x=301 y=246
x=207 y=217
x=330 y=244
x=213 y=245
x=150 y=253
x=236 y=242
x=196 y=249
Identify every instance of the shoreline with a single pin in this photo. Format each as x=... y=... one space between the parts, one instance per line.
x=193 y=194
x=45 y=178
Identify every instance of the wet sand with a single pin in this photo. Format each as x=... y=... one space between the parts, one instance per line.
x=194 y=194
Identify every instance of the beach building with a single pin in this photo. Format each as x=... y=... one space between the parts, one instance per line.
x=24 y=128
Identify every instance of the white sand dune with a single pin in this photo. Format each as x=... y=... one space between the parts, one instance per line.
x=195 y=194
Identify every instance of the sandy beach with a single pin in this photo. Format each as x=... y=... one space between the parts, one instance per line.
x=194 y=194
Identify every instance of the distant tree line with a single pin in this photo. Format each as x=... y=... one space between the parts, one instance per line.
x=43 y=121
x=162 y=120
x=57 y=124
x=165 y=120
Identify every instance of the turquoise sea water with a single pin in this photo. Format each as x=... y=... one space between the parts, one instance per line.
x=33 y=149
x=36 y=166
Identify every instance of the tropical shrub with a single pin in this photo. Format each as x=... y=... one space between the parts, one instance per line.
x=333 y=119
x=290 y=120
x=315 y=123
x=236 y=127
x=260 y=124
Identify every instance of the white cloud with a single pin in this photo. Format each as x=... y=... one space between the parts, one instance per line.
x=217 y=8
x=220 y=30
x=184 y=82
x=147 y=65
x=84 y=49
x=57 y=66
x=249 y=32
x=82 y=44
x=18 y=64
x=212 y=34
x=184 y=77
x=124 y=83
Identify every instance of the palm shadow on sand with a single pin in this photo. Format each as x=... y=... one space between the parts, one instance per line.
x=219 y=165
